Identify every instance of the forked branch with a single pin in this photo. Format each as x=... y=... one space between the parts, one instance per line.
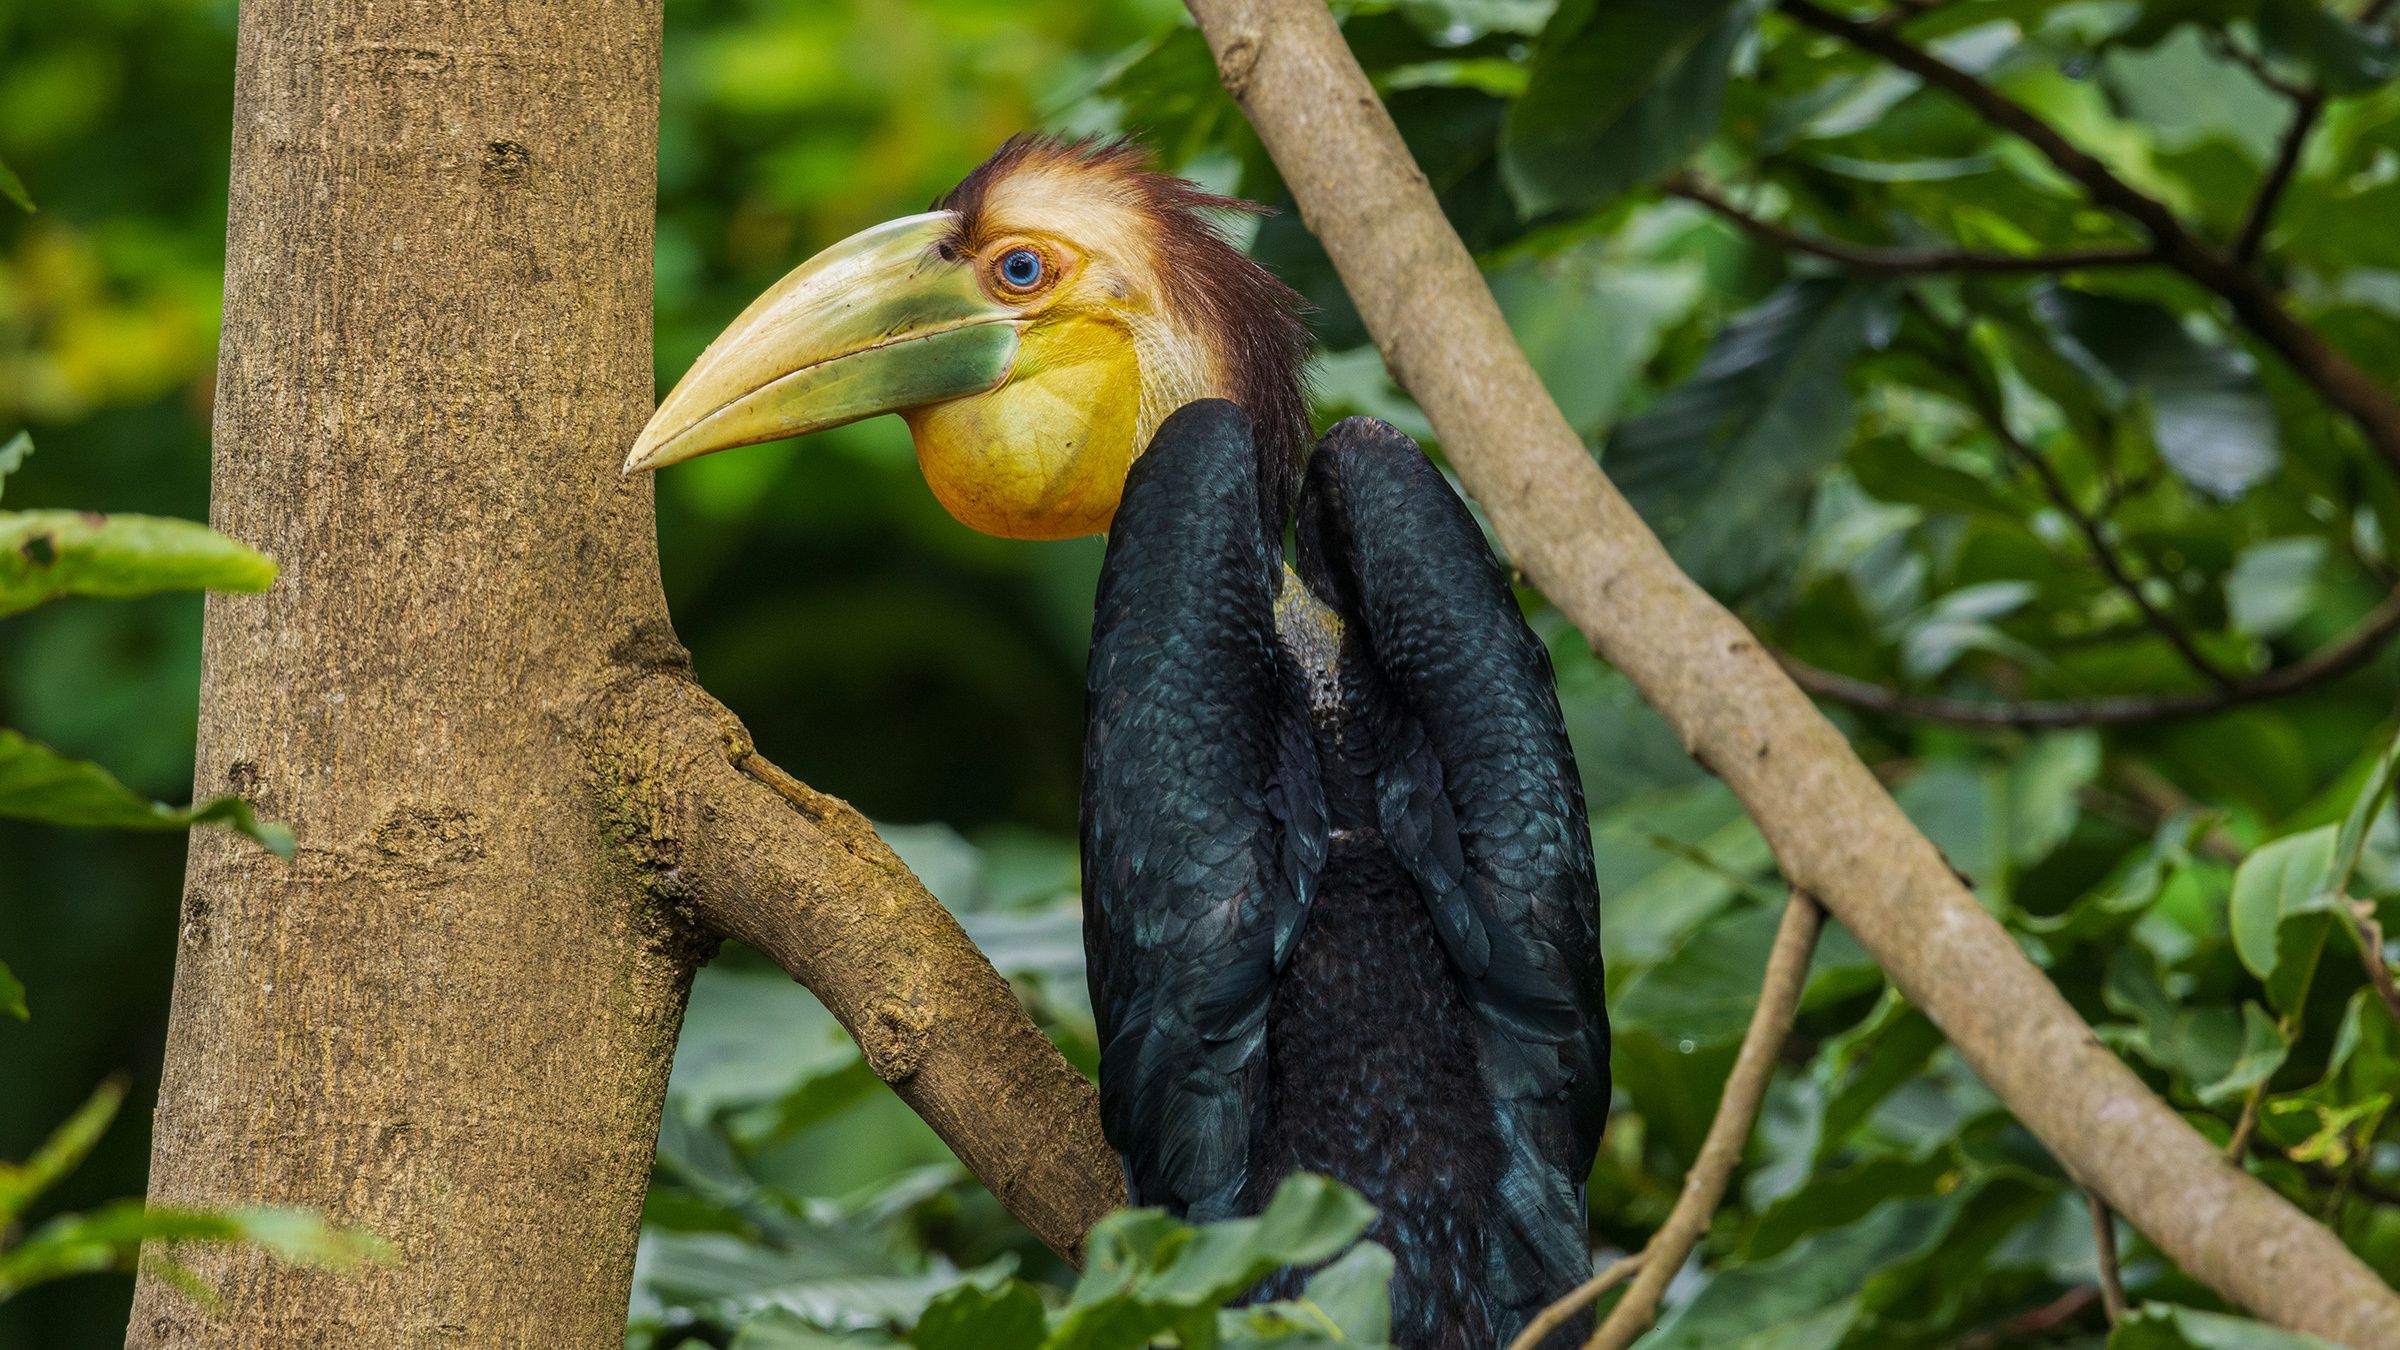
x=754 y=854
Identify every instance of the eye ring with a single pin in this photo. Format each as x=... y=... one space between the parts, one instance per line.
x=1021 y=269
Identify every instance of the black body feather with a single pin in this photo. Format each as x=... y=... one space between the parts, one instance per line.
x=1340 y=911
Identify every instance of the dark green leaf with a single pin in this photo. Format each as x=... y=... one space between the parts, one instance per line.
x=38 y=783
x=2345 y=57
x=1008 y=1317
x=47 y=554
x=1621 y=91
x=1723 y=465
x=2208 y=409
x=12 y=994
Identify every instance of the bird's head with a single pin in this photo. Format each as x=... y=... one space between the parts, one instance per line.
x=1033 y=328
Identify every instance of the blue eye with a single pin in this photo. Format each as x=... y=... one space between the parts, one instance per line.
x=1021 y=268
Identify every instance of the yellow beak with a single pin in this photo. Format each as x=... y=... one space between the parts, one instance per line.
x=878 y=323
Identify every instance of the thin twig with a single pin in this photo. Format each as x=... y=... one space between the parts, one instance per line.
x=2104 y=1241
x=2245 y=1129
x=2049 y=1317
x=2354 y=650
x=2254 y=302
x=2369 y=936
x=1721 y=1151
x=1576 y=1300
x=2307 y=105
x=1900 y=262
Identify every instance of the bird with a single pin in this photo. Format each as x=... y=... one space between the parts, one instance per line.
x=1339 y=899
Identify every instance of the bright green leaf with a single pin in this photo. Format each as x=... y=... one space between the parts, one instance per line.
x=38 y=783
x=12 y=994
x=13 y=188
x=13 y=455
x=47 y=554
x=2280 y=909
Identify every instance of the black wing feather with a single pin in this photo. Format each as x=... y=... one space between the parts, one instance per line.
x=1204 y=822
x=1479 y=797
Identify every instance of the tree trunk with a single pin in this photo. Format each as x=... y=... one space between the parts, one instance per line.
x=450 y=1020
x=521 y=825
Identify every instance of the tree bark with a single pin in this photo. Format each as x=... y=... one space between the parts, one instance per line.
x=450 y=1020
x=1836 y=833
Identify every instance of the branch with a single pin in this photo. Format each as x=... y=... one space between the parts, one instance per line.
x=2252 y=300
x=2367 y=934
x=2307 y=105
x=1899 y=262
x=1835 y=832
x=1704 y=1186
x=755 y=854
x=1577 y=1299
x=2351 y=652
x=2104 y=1243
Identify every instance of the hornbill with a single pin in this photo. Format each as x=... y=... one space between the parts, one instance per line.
x=1339 y=901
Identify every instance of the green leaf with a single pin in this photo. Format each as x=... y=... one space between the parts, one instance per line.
x=2159 y=1326
x=13 y=188
x=2208 y=409
x=13 y=455
x=12 y=995
x=1620 y=92
x=2345 y=56
x=1723 y=465
x=2280 y=910
x=1009 y=1317
x=38 y=783
x=111 y=1237
x=783 y=1329
x=2360 y=819
x=2262 y=1053
x=66 y=1148
x=2274 y=585
x=1145 y=1274
x=47 y=554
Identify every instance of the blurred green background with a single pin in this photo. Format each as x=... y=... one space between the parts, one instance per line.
x=1844 y=459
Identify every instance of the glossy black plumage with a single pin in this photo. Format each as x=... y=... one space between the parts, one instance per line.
x=1340 y=912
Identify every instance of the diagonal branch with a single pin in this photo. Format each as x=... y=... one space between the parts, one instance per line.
x=756 y=855
x=2252 y=300
x=1869 y=260
x=1836 y=833
x=2353 y=651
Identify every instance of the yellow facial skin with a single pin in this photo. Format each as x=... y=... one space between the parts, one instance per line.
x=1027 y=402
x=1043 y=456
